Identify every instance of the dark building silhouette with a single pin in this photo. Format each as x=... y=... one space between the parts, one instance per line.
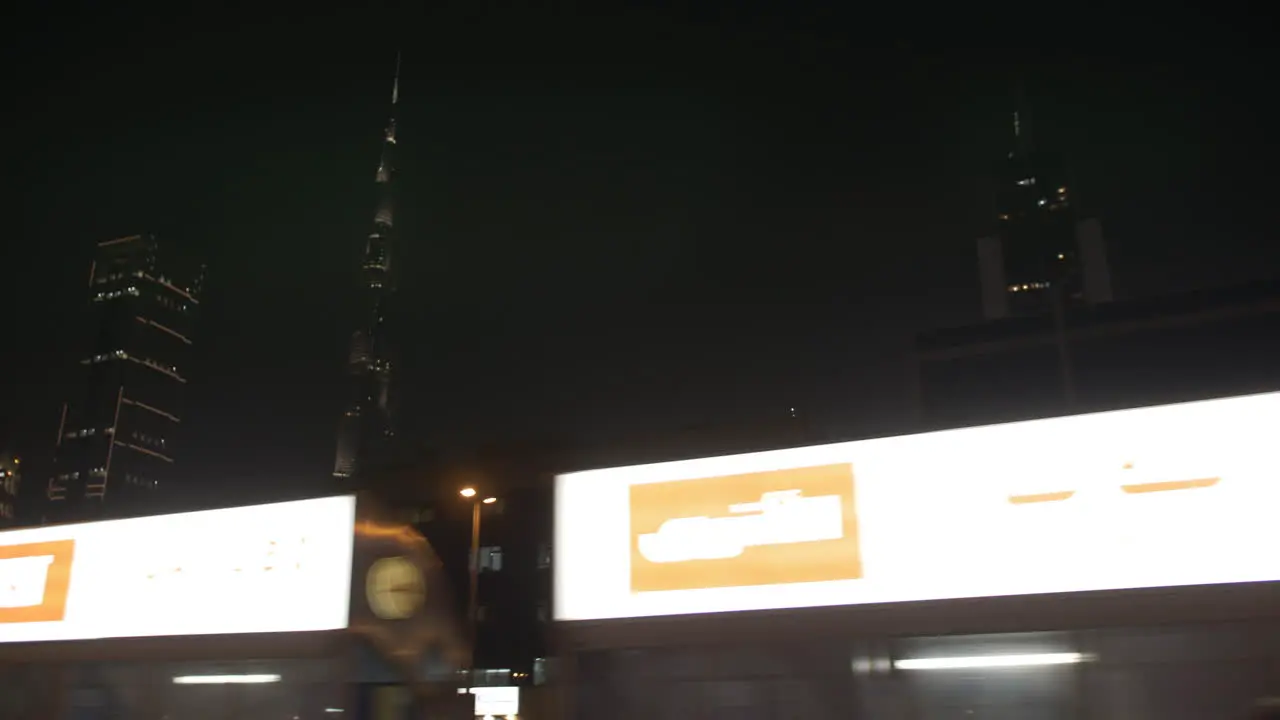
x=10 y=484
x=365 y=432
x=514 y=583
x=117 y=438
x=1043 y=253
x=1190 y=346
x=514 y=591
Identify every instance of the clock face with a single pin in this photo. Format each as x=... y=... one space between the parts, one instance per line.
x=395 y=588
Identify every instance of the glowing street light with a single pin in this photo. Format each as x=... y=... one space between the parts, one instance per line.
x=470 y=494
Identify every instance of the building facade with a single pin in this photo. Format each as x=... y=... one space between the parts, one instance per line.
x=365 y=431
x=117 y=438
x=1220 y=664
x=10 y=483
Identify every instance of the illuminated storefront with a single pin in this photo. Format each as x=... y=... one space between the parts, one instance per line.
x=1119 y=564
x=307 y=609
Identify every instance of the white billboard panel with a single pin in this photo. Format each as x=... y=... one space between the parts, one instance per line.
x=1175 y=495
x=266 y=568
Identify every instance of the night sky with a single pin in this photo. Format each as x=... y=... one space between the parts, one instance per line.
x=608 y=225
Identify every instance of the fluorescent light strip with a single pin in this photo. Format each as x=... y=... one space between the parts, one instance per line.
x=224 y=679
x=989 y=661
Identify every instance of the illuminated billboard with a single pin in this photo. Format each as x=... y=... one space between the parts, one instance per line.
x=265 y=568
x=1166 y=496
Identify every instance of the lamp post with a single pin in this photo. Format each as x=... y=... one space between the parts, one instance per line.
x=472 y=596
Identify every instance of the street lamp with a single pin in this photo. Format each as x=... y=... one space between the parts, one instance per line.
x=470 y=494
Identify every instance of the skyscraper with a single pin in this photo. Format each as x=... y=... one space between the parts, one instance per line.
x=365 y=431
x=116 y=443
x=1043 y=253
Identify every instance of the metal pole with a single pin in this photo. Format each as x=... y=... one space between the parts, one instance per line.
x=472 y=603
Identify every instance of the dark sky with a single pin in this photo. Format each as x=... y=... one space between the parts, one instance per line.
x=609 y=223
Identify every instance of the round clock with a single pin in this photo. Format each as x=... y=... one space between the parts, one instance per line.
x=395 y=588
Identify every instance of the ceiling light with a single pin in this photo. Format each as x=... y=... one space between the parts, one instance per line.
x=224 y=679
x=989 y=661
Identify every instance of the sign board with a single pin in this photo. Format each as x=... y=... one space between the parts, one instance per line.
x=266 y=568
x=1167 y=496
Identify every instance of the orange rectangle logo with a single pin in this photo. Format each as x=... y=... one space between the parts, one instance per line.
x=34 y=579
x=767 y=528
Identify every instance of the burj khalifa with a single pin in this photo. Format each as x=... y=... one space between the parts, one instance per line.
x=366 y=431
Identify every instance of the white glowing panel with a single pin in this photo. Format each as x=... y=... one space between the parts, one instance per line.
x=1167 y=496
x=497 y=701
x=989 y=661
x=267 y=568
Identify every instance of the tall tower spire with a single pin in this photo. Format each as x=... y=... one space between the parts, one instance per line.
x=365 y=432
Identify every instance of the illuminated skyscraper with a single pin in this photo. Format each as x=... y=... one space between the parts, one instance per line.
x=365 y=431
x=116 y=445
